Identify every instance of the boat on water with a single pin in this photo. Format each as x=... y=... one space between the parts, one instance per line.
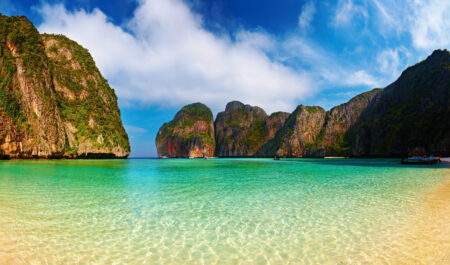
x=421 y=160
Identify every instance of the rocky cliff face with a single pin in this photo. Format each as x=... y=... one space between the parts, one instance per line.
x=241 y=130
x=297 y=138
x=336 y=137
x=413 y=112
x=312 y=132
x=53 y=100
x=274 y=123
x=88 y=106
x=189 y=134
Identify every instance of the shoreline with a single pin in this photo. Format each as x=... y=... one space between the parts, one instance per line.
x=444 y=160
x=4 y=158
x=426 y=233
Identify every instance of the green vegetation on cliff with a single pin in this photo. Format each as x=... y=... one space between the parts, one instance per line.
x=298 y=136
x=240 y=130
x=413 y=112
x=85 y=98
x=15 y=30
x=54 y=95
x=20 y=32
x=189 y=134
x=198 y=110
x=10 y=104
x=186 y=117
x=339 y=132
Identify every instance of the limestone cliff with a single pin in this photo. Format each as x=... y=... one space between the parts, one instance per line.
x=189 y=134
x=413 y=112
x=297 y=138
x=88 y=106
x=241 y=130
x=54 y=102
x=274 y=123
x=335 y=137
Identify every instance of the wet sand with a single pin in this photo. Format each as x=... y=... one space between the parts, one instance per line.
x=425 y=239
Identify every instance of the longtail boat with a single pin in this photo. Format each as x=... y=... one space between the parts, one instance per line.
x=419 y=160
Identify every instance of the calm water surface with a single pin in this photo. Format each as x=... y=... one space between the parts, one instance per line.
x=217 y=211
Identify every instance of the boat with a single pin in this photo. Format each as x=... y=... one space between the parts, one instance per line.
x=419 y=160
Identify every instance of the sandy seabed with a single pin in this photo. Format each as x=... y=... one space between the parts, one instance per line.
x=33 y=233
x=425 y=238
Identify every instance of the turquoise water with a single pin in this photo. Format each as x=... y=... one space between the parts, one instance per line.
x=216 y=211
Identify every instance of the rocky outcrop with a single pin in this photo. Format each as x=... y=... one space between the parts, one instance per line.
x=312 y=132
x=50 y=98
x=336 y=137
x=413 y=112
x=88 y=106
x=274 y=123
x=189 y=135
x=241 y=130
x=297 y=138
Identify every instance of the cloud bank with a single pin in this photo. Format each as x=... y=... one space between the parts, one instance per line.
x=164 y=56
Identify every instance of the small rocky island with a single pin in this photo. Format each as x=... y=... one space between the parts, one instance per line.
x=54 y=102
x=413 y=112
x=189 y=134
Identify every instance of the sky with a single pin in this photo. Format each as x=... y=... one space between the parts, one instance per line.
x=160 y=55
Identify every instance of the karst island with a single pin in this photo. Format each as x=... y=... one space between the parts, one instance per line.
x=224 y=132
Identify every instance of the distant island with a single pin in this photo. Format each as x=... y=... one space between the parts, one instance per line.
x=411 y=113
x=54 y=102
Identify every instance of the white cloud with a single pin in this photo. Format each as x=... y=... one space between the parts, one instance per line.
x=388 y=60
x=360 y=77
x=388 y=14
x=346 y=10
x=430 y=26
x=134 y=129
x=393 y=61
x=306 y=16
x=257 y=40
x=169 y=59
x=427 y=22
x=324 y=66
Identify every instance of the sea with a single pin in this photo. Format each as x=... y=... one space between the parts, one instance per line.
x=224 y=211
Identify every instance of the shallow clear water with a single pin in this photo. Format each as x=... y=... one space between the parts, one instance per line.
x=217 y=211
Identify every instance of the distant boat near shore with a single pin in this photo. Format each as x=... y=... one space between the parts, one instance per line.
x=421 y=160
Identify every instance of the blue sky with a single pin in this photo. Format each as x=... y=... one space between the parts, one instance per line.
x=162 y=54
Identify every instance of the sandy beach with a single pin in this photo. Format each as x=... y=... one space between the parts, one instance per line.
x=425 y=238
